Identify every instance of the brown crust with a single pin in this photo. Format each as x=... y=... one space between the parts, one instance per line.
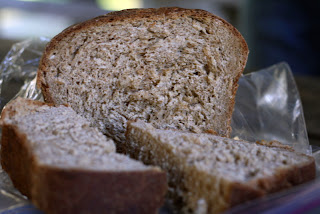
x=96 y=192
x=16 y=159
x=56 y=190
x=239 y=193
x=150 y=13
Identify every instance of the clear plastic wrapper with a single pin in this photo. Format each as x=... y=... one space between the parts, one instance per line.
x=19 y=68
x=268 y=107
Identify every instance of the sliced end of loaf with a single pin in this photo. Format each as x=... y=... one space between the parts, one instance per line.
x=219 y=172
x=175 y=68
x=63 y=165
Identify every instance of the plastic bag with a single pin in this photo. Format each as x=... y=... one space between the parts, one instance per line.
x=267 y=106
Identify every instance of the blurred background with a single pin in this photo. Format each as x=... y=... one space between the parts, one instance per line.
x=275 y=30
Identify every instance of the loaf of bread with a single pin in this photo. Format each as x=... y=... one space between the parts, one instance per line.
x=172 y=67
x=209 y=174
x=63 y=165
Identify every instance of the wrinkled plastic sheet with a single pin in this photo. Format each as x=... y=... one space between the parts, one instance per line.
x=268 y=107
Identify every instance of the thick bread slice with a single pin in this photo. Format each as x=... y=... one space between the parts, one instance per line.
x=209 y=174
x=63 y=165
x=175 y=68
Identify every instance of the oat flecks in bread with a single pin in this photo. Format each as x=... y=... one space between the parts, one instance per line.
x=64 y=165
x=210 y=174
x=175 y=68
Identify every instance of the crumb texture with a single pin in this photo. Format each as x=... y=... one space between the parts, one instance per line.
x=175 y=71
x=202 y=168
x=58 y=137
x=63 y=165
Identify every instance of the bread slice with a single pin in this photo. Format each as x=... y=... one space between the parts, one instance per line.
x=63 y=165
x=172 y=67
x=209 y=174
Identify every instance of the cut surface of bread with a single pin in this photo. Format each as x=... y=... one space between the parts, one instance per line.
x=64 y=165
x=58 y=136
x=175 y=68
x=209 y=174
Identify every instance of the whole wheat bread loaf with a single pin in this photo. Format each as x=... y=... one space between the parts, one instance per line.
x=175 y=68
x=209 y=174
x=63 y=165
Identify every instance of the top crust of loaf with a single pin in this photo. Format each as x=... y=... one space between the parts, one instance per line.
x=132 y=14
x=45 y=75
